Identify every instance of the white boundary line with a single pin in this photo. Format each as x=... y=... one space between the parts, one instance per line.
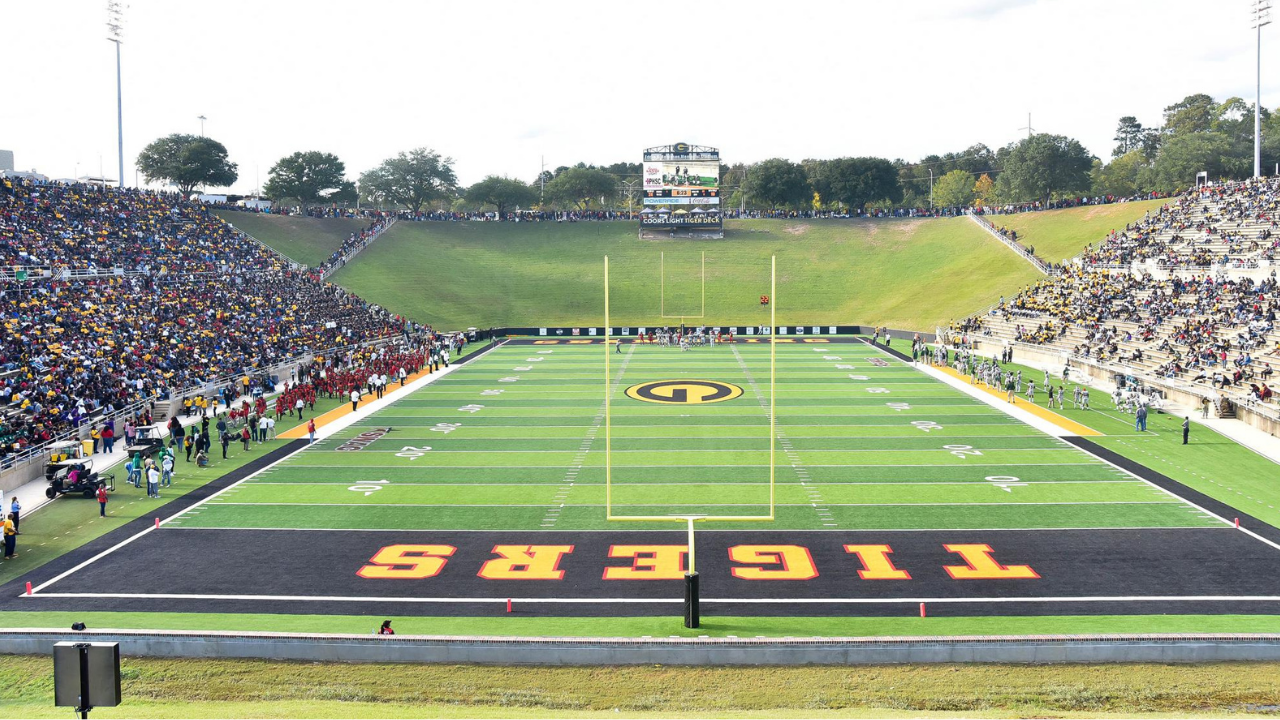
x=711 y=529
x=371 y=407
x=692 y=504
x=629 y=601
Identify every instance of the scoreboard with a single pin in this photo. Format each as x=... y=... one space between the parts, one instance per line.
x=681 y=187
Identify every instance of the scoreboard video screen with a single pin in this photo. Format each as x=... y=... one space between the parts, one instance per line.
x=681 y=187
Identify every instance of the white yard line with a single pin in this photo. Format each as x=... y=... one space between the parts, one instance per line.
x=580 y=456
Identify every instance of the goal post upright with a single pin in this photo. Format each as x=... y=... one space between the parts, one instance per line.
x=608 y=419
x=608 y=395
x=662 y=289
x=773 y=374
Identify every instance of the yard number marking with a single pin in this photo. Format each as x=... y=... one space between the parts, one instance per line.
x=1005 y=482
x=413 y=453
x=369 y=487
x=961 y=451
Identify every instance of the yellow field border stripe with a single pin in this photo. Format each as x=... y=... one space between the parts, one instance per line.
x=1061 y=421
x=344 y=409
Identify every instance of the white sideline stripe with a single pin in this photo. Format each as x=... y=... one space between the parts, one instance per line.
x=1000 y=419
x=756 y=601
x=697 y=504
x=975 y=483
x=567 y=438
x=1060 y=432
x=708 y=528
x=1087 y=463
x=709 y=450
x=370 y=407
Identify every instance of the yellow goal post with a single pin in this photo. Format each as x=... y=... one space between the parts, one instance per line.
x=608 y=424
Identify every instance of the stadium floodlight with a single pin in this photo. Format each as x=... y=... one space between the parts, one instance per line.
x=115 y=30
x=201 y=118
x=1261 y=18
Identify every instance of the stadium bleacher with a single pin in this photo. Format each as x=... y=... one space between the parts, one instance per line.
x=1187 y=293
x=178 y=299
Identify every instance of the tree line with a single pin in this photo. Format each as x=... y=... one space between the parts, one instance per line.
x=1196 y=134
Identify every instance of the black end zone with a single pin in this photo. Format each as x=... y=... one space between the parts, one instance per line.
x=1059 y=572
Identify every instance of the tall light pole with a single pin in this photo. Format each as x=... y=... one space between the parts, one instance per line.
x=930 y=188
x=202 y=119
x=115 y=30
x=1261 y=18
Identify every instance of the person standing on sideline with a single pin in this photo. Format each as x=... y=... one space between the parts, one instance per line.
x=10 y=538
x=244 y=436
x=617 y=346
x=153 y=482
x=166 y=470
x=190 y=443
x=102 y=501
x=225 y=438
x=311 y=429
x=1186 y=429
x=15 y=509
x=355 y=398
x=298 y=405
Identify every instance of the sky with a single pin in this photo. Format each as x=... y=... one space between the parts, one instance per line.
x=499 y=86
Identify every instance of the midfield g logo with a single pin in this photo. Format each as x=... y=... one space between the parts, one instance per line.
x=683 y=392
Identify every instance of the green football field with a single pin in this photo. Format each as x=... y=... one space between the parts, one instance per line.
x=509 y=490
x=517 y=441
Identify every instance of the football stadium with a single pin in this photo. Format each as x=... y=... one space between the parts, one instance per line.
x=396 y=411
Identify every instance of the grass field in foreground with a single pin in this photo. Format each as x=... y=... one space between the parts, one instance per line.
x=865 y=442
x=1061 y=234
x=900 y=273
x=308 y=240
x=154 y=687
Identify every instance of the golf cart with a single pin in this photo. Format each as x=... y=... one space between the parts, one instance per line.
x=150 y=438
x=70 y=458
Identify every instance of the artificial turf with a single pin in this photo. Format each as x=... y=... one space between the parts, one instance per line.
x=530 y=458
x=538 y=444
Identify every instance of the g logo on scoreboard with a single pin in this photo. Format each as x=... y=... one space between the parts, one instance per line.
x=684 y=392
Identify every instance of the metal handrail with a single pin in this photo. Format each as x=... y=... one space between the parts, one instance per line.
x=1039 y=264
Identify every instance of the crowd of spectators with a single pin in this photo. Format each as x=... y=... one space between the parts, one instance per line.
x=207 y=303
x=356 y=242
x=1230 y=225
x=1208 y=326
